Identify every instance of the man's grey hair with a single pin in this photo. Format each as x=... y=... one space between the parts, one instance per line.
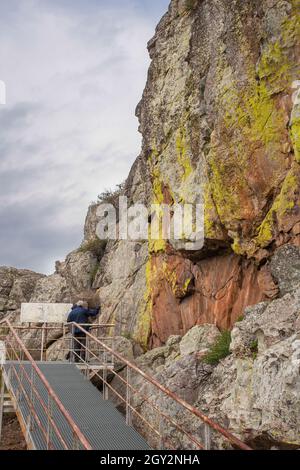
x=82 y=303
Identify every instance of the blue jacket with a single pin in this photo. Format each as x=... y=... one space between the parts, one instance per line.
x=81 y=315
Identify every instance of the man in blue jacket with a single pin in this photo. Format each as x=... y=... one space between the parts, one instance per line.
x=80 y=314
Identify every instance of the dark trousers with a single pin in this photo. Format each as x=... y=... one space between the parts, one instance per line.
x=78 y=347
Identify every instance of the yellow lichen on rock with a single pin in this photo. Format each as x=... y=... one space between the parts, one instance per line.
x=252 y=133
x=182 y=154
x=143 y=328
x=295 y=136
x=284 y=202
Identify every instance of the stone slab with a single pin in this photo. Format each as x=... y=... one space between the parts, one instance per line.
x=44 y=312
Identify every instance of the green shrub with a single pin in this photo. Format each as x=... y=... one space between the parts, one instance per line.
x=111 y=196
x=219 y=350
x=254 y=348
x=241 y=318
x=95 y=246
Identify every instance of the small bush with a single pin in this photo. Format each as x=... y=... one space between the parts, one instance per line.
x=111 y=196
x=219 y=350
x=95 y=246
x=241 y=318
x=254 y=348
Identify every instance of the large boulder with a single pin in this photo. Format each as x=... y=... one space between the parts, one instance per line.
x=264 y=400
x=16 y=286
x=124 y=347
x=52 y=288
x=267 y=324
x=155 y=359
x=199 y=338
x=91 y=222
x=79 y=270
x=255 y=391
x=285 y=268
x=73 y=277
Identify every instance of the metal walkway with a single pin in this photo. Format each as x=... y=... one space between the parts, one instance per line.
x=99 y=421
x=59 y=408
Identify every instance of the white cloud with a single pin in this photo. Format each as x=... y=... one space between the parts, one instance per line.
x=74 y=73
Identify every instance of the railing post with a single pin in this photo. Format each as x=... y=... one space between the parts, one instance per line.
x=64 y=343
x=29 y=420
x=18 y=389
x=49 y=426
x=73 y=346
x=112 y=344
x=42 y=341
x=207 y=437
x=46 y=341
x=161 y=426
x=128 y=398
x=9 y=377
x=1 y=403
x=105 y=388
x=87 y=349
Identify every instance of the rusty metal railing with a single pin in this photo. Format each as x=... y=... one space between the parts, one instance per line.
x=39 y=338
x=32 y=387
x=144 y=401
x=134 y=395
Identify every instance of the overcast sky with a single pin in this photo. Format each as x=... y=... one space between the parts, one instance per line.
x=74 y=72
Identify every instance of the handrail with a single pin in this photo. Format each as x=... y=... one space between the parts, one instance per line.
x=49 y=389
x=144 y=398
x=205 y=419
x=32 y=410
x=230 y=437
x=59 y=325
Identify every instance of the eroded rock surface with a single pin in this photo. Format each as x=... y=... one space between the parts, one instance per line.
x=16 y=286
x=198 y=339
x=254 y=392
x=285 y=268
x=219 y=121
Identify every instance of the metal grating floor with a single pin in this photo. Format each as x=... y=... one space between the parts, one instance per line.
x=99 y=421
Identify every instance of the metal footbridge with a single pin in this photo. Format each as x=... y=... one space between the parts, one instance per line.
x=59 y=408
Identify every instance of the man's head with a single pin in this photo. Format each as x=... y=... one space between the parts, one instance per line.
x=82 y=303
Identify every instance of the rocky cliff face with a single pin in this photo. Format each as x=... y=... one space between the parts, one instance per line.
x=73 y=278
x=16 y=286
x=220 y=120
x=254 y=391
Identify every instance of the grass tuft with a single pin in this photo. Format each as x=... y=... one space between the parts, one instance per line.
x=219 y=350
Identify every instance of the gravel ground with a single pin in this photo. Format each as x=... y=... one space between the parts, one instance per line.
x=12 y=437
